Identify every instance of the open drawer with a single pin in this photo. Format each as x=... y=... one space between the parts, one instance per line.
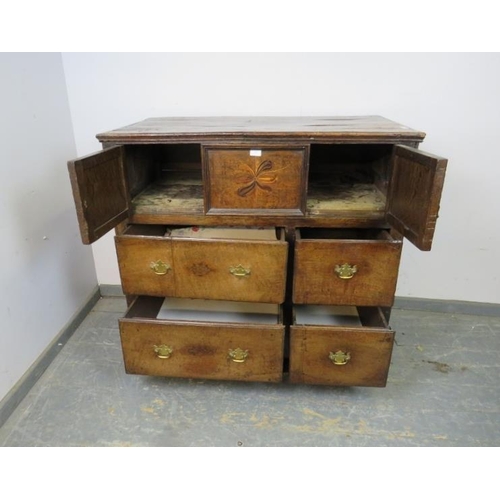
x=247 y=264
x=346 y=266
x=344 y=346
x=203 y=339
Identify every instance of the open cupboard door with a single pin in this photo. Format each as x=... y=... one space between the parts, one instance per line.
x=415 y=193
x=100 y=192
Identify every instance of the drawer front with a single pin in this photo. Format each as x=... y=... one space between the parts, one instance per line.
x=255 y=180
x=146 y=265
x=252 y=271
x=208 y=351
x=346 y=272
x=340 y=356
x=231 y=270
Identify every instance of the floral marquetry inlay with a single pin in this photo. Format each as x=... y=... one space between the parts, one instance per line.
x=258 y=177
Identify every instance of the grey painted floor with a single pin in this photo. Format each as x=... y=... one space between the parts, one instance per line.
x=443 y=390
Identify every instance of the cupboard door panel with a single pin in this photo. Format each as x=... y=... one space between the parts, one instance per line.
x=100 y=192
x=415 y=193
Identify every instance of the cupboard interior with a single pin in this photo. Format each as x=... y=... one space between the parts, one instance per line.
x=167 y=178
x=348 y=177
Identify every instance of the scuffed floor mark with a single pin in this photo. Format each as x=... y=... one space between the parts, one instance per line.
x=156 y=405
x=265 y=421
x=316 y=423
x=440 y=367
x=440 y=438
x=320 y=423
x=230 y=417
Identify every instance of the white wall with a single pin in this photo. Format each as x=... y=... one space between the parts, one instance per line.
x=46 y=274
x=455 y=98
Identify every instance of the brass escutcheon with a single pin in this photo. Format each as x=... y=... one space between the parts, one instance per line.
x=346 y=271
x=163 y=351
x=159 y=267
x=238 y=355
x=339 y=357
x=239 y=271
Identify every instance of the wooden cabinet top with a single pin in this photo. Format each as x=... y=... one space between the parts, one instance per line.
x=310 y=129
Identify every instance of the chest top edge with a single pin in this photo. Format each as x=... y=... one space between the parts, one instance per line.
x=239 y=128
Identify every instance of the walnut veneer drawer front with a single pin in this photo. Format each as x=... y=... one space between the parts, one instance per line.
x=200 y=349
x=356 y=267
x=350 y=355
x=255 y=180
x=201 y=267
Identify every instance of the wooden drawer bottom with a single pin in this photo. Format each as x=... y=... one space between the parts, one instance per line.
x=342 y=355
x=248 y=348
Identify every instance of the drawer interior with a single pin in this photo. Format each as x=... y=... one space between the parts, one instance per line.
x=338 y=316
x=200 y=310
x=167 y=179
x=206 y=232
x=361 y=234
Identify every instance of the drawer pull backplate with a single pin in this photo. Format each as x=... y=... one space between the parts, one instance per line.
x=339 y=357
x=238 y=355
x=163 y=351
x=239 y=271
x=159 y=267
x=345 y=271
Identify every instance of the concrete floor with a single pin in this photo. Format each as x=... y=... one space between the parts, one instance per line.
x=443 y=390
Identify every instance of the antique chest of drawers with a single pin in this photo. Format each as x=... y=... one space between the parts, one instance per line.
x=260 y=249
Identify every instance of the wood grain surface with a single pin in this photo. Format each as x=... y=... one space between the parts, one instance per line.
x=370 y=350
x=204 y=129
x=415 y=194
x=201 y=268
x=201 y=350
x=374 y=283
x=238 y=181
x=100 y=192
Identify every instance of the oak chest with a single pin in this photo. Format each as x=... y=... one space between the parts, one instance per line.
x=260 y=249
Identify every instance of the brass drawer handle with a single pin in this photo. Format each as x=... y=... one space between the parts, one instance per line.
x=346 y=271
x=238 y=355
x=163 y=351
x=339 y=357
x=239 y=271
x=159 y=267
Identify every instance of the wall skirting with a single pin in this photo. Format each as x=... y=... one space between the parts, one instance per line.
x=10 y=402
x=447 y=306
